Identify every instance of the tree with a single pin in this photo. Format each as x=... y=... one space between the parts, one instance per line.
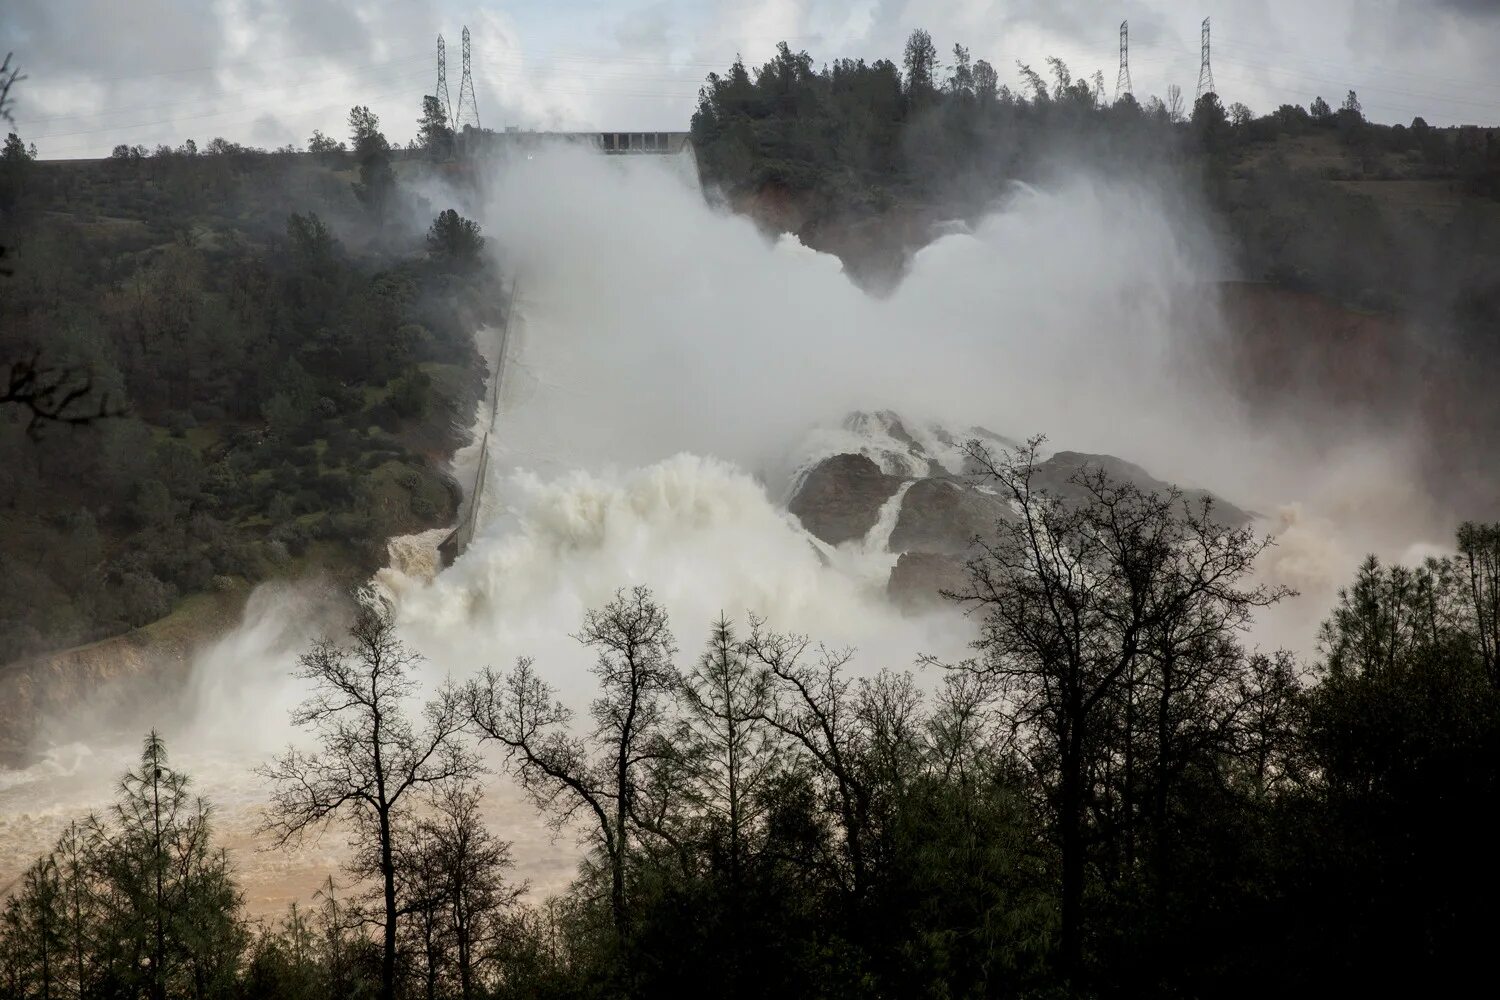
x=1209 y=121
x=16 y=159
x=920 y=62
x=54 y=394
x=33 y=925
x=607 y=773
x=377 y=181
x=1400 y=737
x=961 y=79
x=9 y=77
x=166 y=895
x=986 y=82
x=814 y=709
x=324 y=147
x=733 y=754
x=1079 y=599
x=1479 y=557
x=1174 y=104
x=433 y=130
x=454 y=241
x=372 y=764
x=312 y=243
x=467 y=869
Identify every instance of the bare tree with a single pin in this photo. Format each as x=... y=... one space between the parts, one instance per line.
x=1479 y=554
x=814 y=708
x=1176 y=109
x=1083 y=598
x=54 y=395
x=607 y=773
x=465 y=868
x=9 y=77
x=372 y=765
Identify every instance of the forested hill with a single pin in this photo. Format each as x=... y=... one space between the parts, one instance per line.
x=284 y=352
x=1296 y=189
x=1369 y=253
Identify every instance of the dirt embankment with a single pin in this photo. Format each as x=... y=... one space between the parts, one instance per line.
x=1286 y=345
x=1339 y=372
x=875 y=248
x=130 y=668
x=1335 y=372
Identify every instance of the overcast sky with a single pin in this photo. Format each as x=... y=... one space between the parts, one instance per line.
x=268 y=72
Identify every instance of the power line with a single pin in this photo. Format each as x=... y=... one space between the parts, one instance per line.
x=1205 y=67
x=468 y=106
x=441 y=92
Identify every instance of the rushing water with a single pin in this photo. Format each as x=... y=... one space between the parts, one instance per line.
x=665 y=363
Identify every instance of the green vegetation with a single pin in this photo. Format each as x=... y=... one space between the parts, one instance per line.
x=1115 y=796
x=281 y=357
x=1293 y=189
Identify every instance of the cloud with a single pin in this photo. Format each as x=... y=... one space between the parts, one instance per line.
x=270 y=71
x=1471 y=8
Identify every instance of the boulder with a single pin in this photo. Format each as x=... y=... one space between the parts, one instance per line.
x=919 y=578
x=944 y=515
x=839 y=499
x=1055 y=473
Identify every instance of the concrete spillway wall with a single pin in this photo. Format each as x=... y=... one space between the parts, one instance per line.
x=458 y=539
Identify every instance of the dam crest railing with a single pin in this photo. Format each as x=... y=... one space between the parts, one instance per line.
x=457 y=541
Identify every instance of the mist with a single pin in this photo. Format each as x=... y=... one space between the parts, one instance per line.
x=669 y=370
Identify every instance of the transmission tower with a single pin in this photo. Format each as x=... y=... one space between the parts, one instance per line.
x=1122 y=82
x=468 y=108
x=441 y=93
x=1205 y=68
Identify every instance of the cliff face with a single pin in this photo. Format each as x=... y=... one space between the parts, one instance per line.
x=1340 y=373
x=1285 y=345
x=126 y=670
x=943 y=505
x=875 y=249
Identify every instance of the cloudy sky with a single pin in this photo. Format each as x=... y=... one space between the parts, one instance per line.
x=268 y=72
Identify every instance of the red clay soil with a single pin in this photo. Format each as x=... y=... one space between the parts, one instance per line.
x=1287 y=344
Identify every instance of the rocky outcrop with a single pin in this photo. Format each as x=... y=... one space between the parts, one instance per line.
x=1056 y=475
x=135 y=667
x=944 y=516
x=839 y=499
x=946 y=505
x=919 y=579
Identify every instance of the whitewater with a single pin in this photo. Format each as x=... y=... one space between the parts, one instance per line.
x=668 y=374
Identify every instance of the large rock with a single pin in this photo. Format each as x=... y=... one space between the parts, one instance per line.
x=944 y=515
x=919 y=579
x=839 y=499
x=1055 y=475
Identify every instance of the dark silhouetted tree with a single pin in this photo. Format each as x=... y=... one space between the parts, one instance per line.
x=606 y=773
x=372 y=765
x=454 y=241
x=920 y=65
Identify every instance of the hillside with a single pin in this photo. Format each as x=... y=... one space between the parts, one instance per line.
x=285 y=364
x=1362 y=260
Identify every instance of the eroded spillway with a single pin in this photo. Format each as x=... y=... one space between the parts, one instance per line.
x=668 y=375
